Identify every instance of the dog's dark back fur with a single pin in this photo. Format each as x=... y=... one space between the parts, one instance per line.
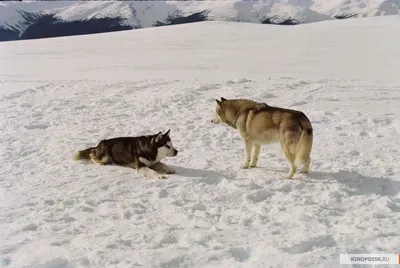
x=136 y=152
x=124 y=150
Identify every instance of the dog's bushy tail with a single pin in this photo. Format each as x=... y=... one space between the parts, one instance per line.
x=304 y=146
x=84 y=154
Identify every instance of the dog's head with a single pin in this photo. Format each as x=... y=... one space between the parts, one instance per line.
x=219 y=116
x=100 y=154
x=164 y=145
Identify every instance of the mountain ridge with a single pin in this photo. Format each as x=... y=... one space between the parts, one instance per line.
x=18 y=19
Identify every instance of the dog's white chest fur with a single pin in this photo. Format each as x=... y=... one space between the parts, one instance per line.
x=145 y=161
x=162 y=152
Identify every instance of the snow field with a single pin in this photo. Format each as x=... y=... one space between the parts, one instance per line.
x=211 y=213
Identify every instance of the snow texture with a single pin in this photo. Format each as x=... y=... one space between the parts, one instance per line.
x=59 y=95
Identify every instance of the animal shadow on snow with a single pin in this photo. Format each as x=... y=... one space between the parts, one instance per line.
x=356 y=183
x=206 y=176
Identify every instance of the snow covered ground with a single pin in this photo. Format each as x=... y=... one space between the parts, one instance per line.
x=59 y=95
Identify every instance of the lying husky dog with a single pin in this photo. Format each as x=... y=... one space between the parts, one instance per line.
x=259 y=123
x=142 y=153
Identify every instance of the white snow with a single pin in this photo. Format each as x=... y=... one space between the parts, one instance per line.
x=59 y=95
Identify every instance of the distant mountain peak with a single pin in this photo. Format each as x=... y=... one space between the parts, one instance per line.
x=18 y=17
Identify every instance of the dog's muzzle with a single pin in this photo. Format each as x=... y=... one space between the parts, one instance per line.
x=216 y=120
x=175 y=152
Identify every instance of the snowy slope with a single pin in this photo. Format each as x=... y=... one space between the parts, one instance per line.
x=63 y=94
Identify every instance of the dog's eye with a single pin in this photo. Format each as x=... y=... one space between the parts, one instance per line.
x=167 y=146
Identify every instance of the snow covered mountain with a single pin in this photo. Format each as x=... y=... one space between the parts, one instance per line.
x=33 y=19
x=59 y=95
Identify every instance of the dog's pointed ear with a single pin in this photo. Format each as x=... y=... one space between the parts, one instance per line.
x=158 y=137
x=218 y=102
x=167 y=133
x=223 y=99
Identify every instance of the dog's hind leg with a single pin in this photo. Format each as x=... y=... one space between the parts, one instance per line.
x=306 y=167
x=287 y=139
x=290 y=158
x=255 y=154
x=247 y=152
x=161 y=167
x=303 y=150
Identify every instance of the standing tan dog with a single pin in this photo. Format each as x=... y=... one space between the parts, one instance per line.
x=259 y=123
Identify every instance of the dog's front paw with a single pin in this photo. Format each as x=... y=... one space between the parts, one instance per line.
x=161 y=176
x=288 y=177
x=304 y=171
x=253 y=165
x=244 y=166
x=171 y=171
